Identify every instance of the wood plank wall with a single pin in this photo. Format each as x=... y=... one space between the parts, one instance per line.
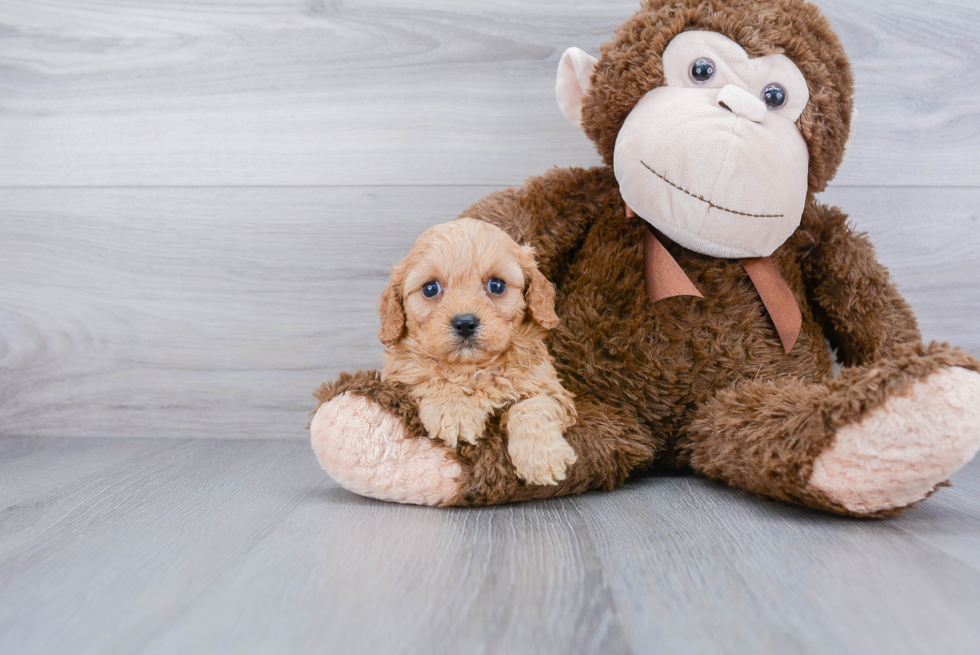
x=199 y=201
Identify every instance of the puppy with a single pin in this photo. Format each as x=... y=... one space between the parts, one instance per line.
x=464 y=320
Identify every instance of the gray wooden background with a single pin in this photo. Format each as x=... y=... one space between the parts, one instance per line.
x=199 y=201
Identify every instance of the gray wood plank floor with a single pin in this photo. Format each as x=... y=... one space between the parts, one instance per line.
x=223 y=546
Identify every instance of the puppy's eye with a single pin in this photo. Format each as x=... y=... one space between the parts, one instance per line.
x=496 y=286
x=431 y=289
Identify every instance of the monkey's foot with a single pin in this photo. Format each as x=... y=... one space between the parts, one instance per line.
x=370 y=452
x=901 y=451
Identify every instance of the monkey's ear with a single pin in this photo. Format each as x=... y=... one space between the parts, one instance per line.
x=574 y=82
x=392 y=315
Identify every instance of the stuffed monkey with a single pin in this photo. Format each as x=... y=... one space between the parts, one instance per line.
x=699 y=282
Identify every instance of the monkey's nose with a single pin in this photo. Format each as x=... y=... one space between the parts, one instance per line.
x=465 y=324
x=742 y=103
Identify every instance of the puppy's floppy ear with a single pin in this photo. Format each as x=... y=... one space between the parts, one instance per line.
x=539 y=294
x=392 y=314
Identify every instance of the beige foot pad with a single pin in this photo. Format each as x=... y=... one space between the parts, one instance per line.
x=897 y=454
x=367 y=450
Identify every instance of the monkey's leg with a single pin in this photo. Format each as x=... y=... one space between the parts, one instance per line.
x=877 y=439
x=368 y=437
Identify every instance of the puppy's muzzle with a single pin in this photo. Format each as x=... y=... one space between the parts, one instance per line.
x=465 y=324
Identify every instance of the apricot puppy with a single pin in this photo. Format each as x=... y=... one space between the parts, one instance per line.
x=464 y=320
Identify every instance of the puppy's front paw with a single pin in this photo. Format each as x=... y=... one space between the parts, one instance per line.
x=452 y=424
x=471 y=426
x=436 y=425
x=541 y=458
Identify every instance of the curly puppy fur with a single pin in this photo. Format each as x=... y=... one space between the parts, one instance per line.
x=459 y=381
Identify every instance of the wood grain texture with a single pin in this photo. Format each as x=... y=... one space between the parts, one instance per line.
x=136 y=92
x=195 y=546
x=215 y=312
x=208 y=312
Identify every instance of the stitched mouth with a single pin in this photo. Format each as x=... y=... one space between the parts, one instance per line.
x=705 y=200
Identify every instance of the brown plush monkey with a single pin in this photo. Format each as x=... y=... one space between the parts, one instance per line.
x=698 y=281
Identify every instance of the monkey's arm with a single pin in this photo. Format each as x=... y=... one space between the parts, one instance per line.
x=863 y=315
x=551 y=212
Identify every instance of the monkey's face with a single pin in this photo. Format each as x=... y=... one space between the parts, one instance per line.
x=715 y=144
x=714 y=159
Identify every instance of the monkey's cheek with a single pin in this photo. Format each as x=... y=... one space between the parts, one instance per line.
x=657 y=145
x=760 y=194
x=678 y=214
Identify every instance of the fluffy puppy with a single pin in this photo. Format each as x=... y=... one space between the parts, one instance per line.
x=464 y=320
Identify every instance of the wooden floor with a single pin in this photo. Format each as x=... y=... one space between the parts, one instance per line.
x=229 y=546
x=199 y=205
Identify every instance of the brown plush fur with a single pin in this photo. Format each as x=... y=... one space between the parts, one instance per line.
x=703 y=383
x=679 y=361
x=459 y=382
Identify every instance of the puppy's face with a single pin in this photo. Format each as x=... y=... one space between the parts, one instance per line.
x=462 y=291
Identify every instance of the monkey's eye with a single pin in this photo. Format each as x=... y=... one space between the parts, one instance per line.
x=496 y=286
x=774 y=95
x=702 y=70
x=431 y=289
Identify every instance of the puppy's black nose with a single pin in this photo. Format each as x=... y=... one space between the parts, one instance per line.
x=465 y=324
